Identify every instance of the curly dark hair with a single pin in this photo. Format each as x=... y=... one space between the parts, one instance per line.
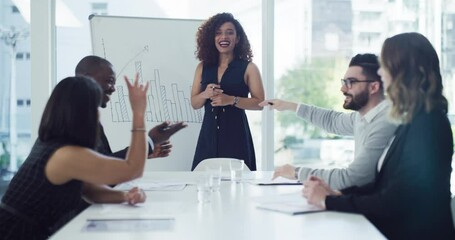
x=206 y=50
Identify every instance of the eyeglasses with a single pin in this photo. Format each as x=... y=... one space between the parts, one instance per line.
x=349 y=81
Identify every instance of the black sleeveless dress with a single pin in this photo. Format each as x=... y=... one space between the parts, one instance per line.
x=225 y=131
x=32 y=207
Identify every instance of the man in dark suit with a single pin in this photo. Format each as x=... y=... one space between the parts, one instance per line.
x=102 y=71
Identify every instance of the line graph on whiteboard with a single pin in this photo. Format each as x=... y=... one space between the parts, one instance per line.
x=166 y=101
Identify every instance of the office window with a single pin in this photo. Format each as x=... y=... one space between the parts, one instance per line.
x=312 y=76
x=15 y=139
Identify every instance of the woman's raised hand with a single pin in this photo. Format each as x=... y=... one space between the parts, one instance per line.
x=137 y=93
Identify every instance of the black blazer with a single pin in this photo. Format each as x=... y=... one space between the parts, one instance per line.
x=104 y=147
x=410 y=198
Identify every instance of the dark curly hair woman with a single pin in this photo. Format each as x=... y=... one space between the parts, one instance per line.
x=226 y=83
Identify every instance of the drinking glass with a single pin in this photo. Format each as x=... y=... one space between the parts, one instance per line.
x=236 y=166
x=215 y=177
x=204 y=189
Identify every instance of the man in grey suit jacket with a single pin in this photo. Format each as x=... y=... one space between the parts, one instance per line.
x=368 y=124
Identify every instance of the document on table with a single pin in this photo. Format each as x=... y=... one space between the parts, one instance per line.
x=153 y=185
x=147 y=216
x=292 y=204
x=129 y=225
x=276 y=181
x=148 y=209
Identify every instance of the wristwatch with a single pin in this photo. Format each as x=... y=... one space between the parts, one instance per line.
x=236 y=100
x=296 y=172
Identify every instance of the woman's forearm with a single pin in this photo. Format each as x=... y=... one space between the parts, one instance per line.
x=102 y=194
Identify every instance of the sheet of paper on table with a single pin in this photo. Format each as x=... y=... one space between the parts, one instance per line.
x=153 y=185
x=292 y=203
x=147 y=216
x=129 y=225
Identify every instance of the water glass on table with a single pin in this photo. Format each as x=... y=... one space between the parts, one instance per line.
x=215 y=177
x=204 y=188
x=236 y=166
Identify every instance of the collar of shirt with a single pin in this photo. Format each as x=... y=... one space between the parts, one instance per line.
x=370 y=115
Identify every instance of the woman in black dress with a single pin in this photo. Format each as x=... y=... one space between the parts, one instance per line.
x=223 y=80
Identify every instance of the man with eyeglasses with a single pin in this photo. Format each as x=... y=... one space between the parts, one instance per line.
x=369 y=125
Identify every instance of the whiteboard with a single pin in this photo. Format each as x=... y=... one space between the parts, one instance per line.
x=162 y=52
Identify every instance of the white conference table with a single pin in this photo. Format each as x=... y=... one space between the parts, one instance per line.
x=231 y=214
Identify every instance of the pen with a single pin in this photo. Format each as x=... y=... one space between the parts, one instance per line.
x=129 y=219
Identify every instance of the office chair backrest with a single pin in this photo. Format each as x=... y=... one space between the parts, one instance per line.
x=214 y=162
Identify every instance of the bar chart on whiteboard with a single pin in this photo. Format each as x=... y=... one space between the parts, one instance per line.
x=165 y=102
